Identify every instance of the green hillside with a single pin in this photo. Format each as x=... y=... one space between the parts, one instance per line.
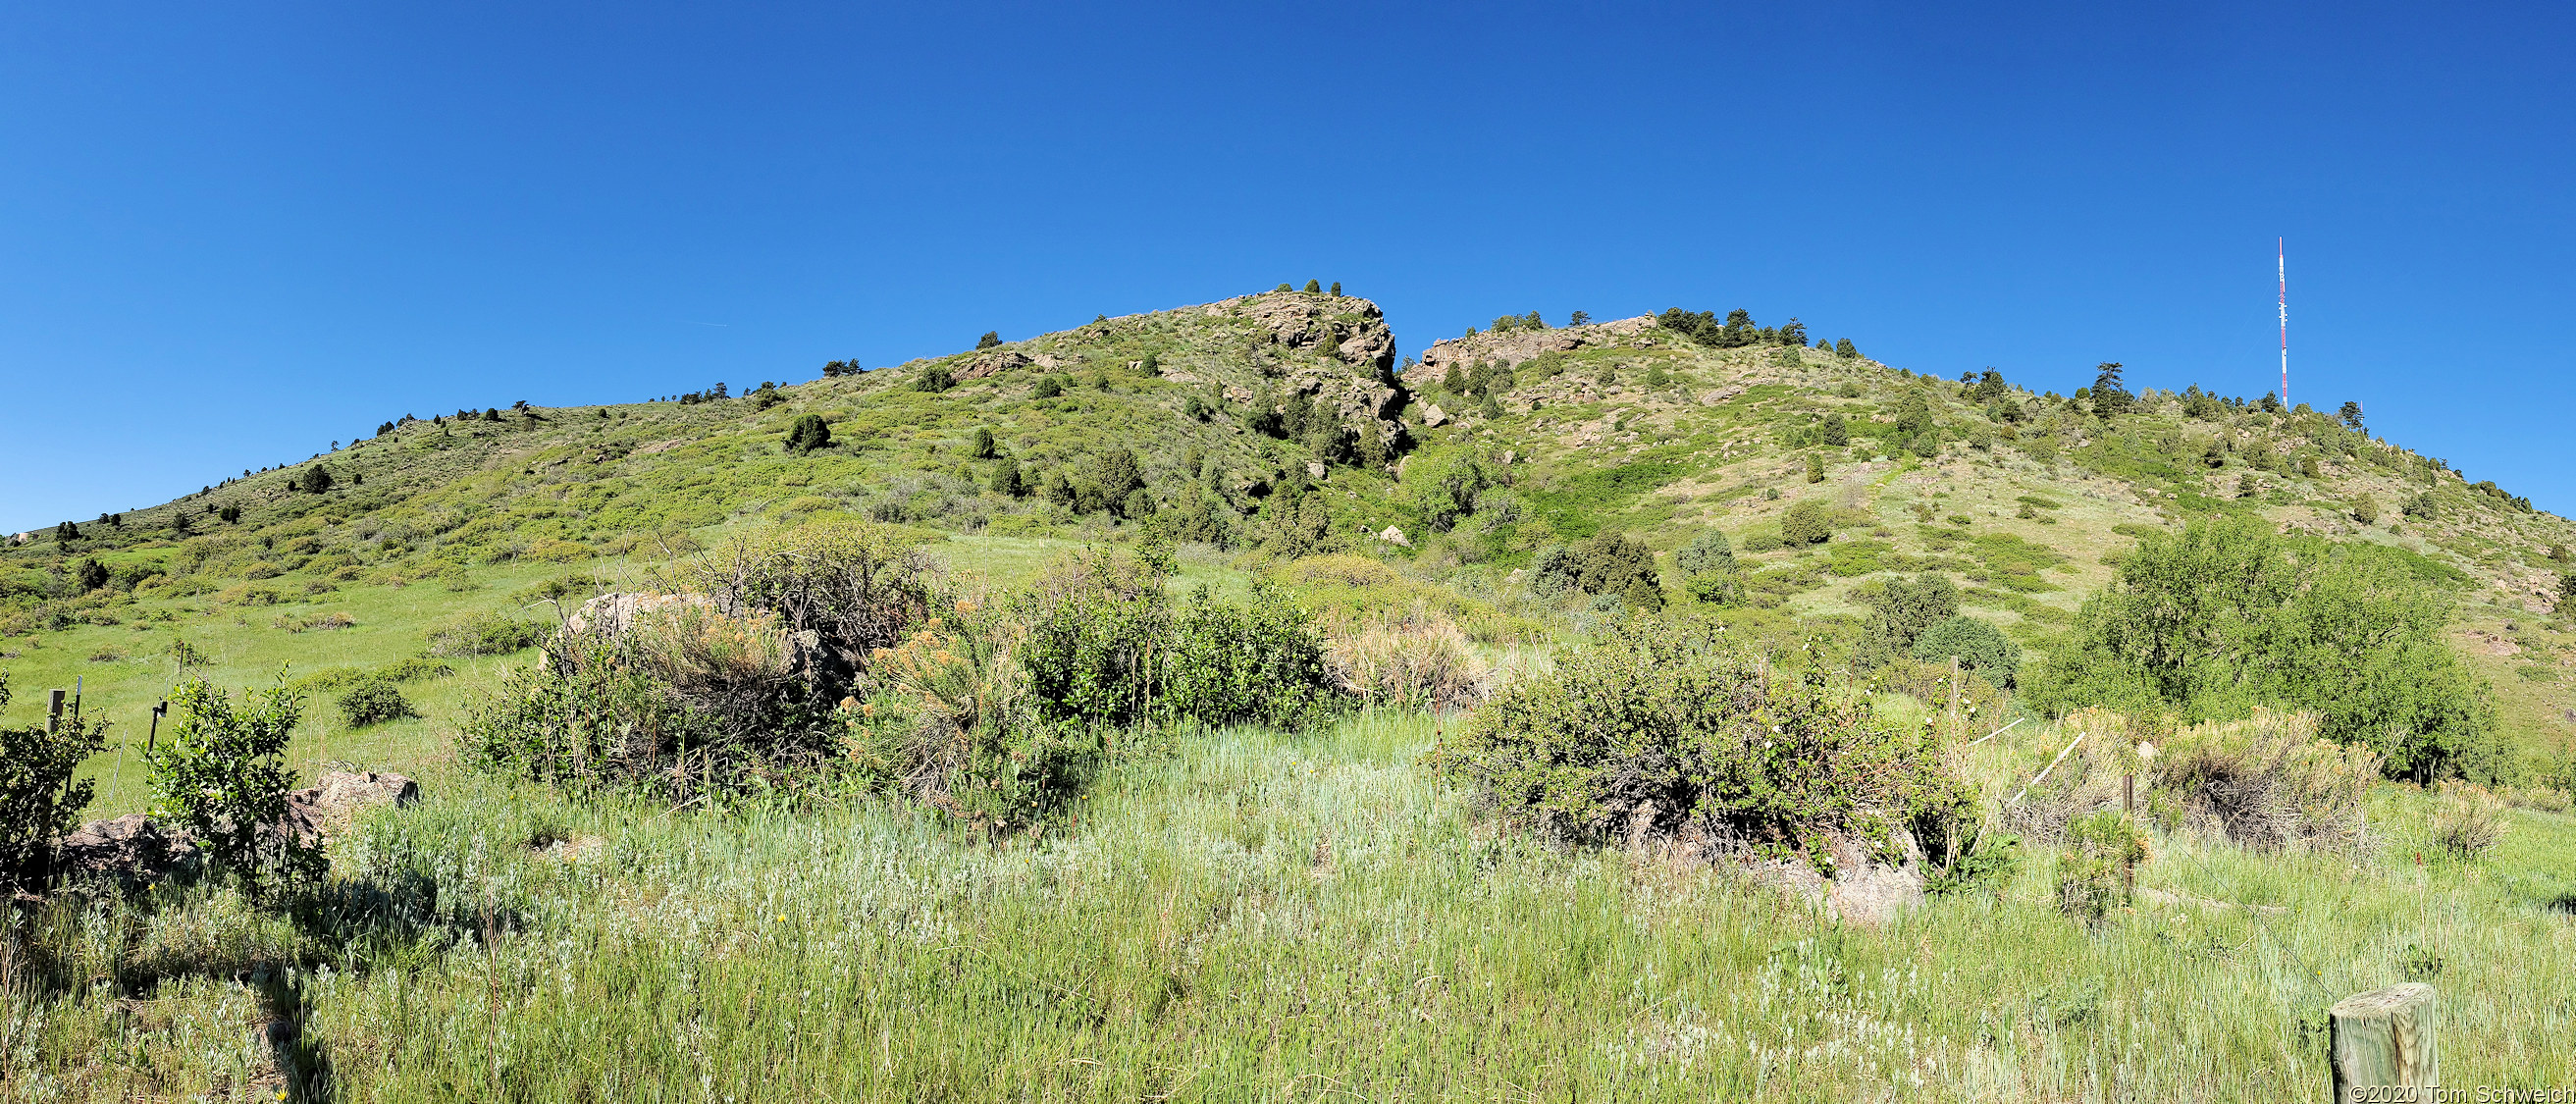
x=1241 y=912
x=1262 y=429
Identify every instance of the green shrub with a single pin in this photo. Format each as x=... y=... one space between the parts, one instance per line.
x=1091 y=628
x=2093 y=870
x=809 y=432
x=371 y=701
x=1806 y=521
x=1979 y=646
x=39 y=800
x=1257 y=664
x=1901 y=612
x=2221 y=617
x=217 y=771
x=1660 y=728
x=1987 y=867
x=486 y=634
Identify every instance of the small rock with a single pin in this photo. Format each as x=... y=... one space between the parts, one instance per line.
x=1315 y=468
x=1394 y=535
x=1433 y=417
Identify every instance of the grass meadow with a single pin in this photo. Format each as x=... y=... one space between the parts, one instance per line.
x=1254 y=915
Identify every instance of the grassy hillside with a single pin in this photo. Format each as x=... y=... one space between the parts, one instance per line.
x=1245 y=913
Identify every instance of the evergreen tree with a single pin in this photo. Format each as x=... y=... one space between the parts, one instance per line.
x=1844 y=349
x=982 y=448
x=1579 y=318
x=1990 y=387
x=1313 y=288
x=1337 y=289
x=990 y=339
x=315 y=480
x=1489 y=409
x=2110 y=399
x=809 y=432
x=65 y=532
x=2350 y=415
x=1007 y=481
x=1834 y=431
x=491 y=414
x=1115 y=472
x=1048 y=387
x=1815 y=467
x=91 y=575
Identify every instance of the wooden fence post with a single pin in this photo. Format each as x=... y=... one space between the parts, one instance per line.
x=53 y=710
x=2385 y=1038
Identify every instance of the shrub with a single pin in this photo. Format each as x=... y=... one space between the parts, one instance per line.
x=1706 y=552
x=217 y=771
x=39 y=800
x=1986 y=866
x=1048 y=387
x=372 y=701
x=1816 y=470
x=2468 y=822
x=730 y=685
x=1979 y=646
x=934 y=379
x=1421 y=661
x=1901 y=612
x=1806 y=521
x=1257 y=664
x=947 y=723
x=2224 y=616
x=2093 y=870
x=486 y=634
x=2267 y=783
x=1663 y=729
x=1091 y=626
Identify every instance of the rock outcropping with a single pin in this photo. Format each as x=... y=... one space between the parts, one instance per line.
x=138 y=849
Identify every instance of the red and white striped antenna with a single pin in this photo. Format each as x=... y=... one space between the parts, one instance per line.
x=2284 y=266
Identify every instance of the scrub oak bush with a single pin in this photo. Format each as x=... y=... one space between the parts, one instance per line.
x=1102 y=645
x=373 y=700
x=217 y=773
x=38 y=798
x=1666 y=729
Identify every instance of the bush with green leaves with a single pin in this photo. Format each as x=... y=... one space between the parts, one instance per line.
x=39 y=800
x=1978 y=645
x=1091 y=628
x=373 y=701
x=2223 y=616
x=1661 y=728
x=1709 y=571
x=1261 y=663
x=217 y=771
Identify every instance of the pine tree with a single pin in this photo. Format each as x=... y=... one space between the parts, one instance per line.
x=2350 y=415
x=315 y=480
x=1834 y=431
x=66 y=531
x=809 y=432
x=1844 y=349
x=990 y=339
x=92 y=575
x=1313 y=288
x=1007 y=480
x=1578 y=318
x=1815 y=467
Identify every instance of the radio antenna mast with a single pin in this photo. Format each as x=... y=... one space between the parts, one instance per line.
x=2283 y=264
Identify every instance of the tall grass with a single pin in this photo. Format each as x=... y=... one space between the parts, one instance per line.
x=1247 y=915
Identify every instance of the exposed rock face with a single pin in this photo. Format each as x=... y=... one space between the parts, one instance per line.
x=1000 y=360
x=1521 y=345
x=1349 y=332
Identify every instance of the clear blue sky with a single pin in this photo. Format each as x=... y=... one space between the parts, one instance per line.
x=233 y=233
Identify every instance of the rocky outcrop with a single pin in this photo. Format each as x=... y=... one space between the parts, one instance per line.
x=614 y=614
x=135 y=848
x=1516 y=346
x=1000 y=360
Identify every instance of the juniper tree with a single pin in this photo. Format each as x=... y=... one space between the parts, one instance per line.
x=982 y=448
x=809 y=432
x=990 y=339
x=1844 y=349
x=315 y=480
x=1313 y=288
x=1337 y=289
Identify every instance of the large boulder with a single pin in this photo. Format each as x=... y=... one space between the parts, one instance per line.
x=131 y=848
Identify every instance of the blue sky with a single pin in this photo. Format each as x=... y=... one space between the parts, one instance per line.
x=232 y=234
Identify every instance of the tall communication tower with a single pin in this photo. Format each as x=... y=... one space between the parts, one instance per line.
x=2283 y=265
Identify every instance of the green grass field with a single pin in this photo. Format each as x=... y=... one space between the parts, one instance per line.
x=1248 y=915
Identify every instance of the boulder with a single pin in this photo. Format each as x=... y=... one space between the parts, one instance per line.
x=613 y=614
x=133 y=848
x=1433 y=417
x=1394 y=535
x=987 y=364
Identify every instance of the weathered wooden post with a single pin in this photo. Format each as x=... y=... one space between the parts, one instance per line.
x=53 y=710
x=2384 y=1038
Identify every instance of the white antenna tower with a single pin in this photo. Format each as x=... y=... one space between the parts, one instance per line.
x=2284 y=267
